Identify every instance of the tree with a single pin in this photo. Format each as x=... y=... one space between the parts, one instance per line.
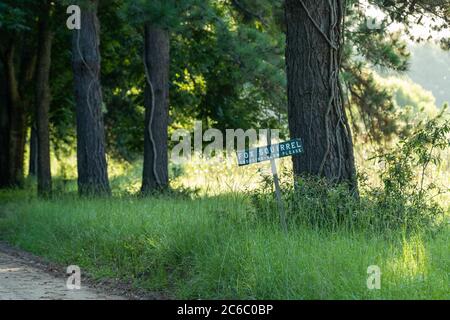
x=43 y=100
x=18 y=59
x=33 y=160
x=91 y=158
x=207 y=41
x=367 y=50
x=156 y=60
x=315 y=101
x=158 y=18
x=227 y=65
x=4 y=132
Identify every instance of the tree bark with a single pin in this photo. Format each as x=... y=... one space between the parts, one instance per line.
x=17 y=123
x=43 y=102
x=33 y=163
x=315 y=105
x=156 y=60
x=4 y=131
x=92 y=166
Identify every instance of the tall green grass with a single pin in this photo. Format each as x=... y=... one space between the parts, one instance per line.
x=220 y=236
x=215 y=247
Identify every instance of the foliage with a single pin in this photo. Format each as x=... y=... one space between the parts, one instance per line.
x=410 y=12
x=227 y=58
x=212 y=248
x=405 y=192
x=407 y=104
x=207 y=238
x=13 y=17
x=403 y=203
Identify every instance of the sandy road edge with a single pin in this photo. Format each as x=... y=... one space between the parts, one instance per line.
x=109 y=286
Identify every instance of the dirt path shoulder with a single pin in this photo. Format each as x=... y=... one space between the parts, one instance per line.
x=19 y=280
x=24 y=276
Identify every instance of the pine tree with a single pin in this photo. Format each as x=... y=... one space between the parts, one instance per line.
x=91 y=158
x=42 y=102
x=315 y=99
x=158 y=18
x=17 y=56
x=156 y=64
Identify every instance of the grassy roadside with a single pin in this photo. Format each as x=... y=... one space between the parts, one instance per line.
x=213 y=247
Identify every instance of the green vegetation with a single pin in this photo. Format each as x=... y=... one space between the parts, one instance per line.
x=213 y=247
x=189 y=244
x=97 y=117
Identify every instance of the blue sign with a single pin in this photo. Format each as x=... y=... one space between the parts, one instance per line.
x=274 y=151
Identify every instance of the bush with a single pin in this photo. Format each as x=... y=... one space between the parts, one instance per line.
x=404 y=201
x=406 y=195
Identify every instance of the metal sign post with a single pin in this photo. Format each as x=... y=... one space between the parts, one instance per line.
x=270 y=153
x=273 y=165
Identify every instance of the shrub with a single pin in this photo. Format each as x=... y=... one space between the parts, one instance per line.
x=404 y=201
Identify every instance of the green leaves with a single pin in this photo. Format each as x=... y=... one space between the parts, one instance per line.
x=168 y=14
x=16 y=17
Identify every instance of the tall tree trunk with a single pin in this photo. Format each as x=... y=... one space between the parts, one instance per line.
x=43 y=102
x=33 y=163
x=156 y=60
x=17 y=122
x=315 y=104
x=92 y=166
x=4 y=130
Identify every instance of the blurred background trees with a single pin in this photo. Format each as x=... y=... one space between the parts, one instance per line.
x=227 y=69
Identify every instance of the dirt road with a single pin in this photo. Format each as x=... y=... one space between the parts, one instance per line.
x=20 y=279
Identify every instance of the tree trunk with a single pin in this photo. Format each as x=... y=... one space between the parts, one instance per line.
x=315 y=104
x=92 y=166
x=43 y=103
x=33 y=165
x=4 y=131
x=156 y=60
x=17 y=123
